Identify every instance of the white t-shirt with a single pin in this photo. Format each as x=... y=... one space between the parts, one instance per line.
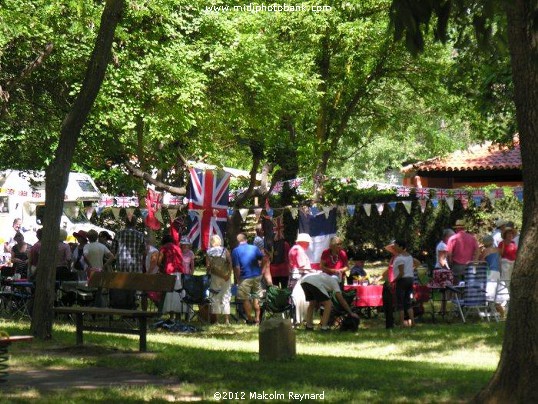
x=440 y=247
x=94 y=253
x=324 y=282
x=407 y=262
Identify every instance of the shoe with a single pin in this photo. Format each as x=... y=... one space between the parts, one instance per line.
x=325 y=329
x=309 y=328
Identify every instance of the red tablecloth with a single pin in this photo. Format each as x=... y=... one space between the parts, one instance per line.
x=372 y=295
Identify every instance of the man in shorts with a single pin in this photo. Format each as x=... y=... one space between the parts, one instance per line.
x=317 y=288
x=246 y=260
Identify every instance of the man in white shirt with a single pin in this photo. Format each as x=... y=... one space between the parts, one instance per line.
x=97 y=255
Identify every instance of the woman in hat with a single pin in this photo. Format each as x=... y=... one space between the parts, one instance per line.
x=188 y=255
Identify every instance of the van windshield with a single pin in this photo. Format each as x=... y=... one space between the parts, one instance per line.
x=73 y=212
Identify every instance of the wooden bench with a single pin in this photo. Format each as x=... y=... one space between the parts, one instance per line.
x=121 y=281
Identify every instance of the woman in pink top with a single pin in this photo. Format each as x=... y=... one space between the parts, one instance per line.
x=188 y=255
x=171 y=262
x=508 y=250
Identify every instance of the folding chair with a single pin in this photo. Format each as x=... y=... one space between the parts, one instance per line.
x=475 y=292
x=195 y=290
x=501 y=300
x=278 y=301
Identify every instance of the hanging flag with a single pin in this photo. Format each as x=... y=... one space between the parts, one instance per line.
x=177 y=227
x=230 y=211
x=441 y=194
x=208 y=193
x=380 y=208
x=278 y=227
x=435 y=202
x=294 y=212
x=422 y=193
x=243 y=213
x=407 y=206
x=460 y=194
x=106 y=201
x=367 y=208
x=258 y=212
x=153 y=204
x=403 y=191
x=123 y=201
x=423 y=203
x=134 y=201
x=296 y=183
x=116 y=213
x=392 y=206
x=277 y=188
x=89 y=212
x=450 y=202
x=172 y=213
x=314 y=210
x=498 y=193
x=518 y=193
x=269 y=212
x=327 y=211
x=321 y=229
x=350 y=210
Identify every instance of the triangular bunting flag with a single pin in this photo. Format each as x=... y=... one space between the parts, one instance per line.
x=144 y=213
x=89 y=212
x=243 y=213
x=380 y=207
x=499 y=193
x=518 y=193
x=450 y=202
x=230 y=211
x=258 y=212
x=98 y=211
x=392 y=205
x=159 y=215
x=116 y=213
x=294 y=212
x=130 y=213
x=407 y=206
x=314 y=210
x=441 y=194
x=435 y=202
x=477 y=200
x=172 y=213
x=350 y=210
x=423 y=203
x=270 y=212
x=326 y=211
x=367 y=208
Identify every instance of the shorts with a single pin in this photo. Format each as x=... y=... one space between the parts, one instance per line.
x=249 y=288
x=313 y=293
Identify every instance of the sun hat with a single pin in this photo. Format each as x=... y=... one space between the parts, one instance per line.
x=500 y=222
x=81 y=234
x=304 y=237
x=185 y=241
x=459 y=223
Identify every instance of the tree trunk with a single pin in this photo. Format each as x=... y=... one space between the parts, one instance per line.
x=517 y=372
x=57 y=173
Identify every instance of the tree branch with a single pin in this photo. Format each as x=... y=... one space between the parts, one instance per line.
x=148 y=178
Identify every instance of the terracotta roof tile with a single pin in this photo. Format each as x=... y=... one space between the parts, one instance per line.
x=487 y=156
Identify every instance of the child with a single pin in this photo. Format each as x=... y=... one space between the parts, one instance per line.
x=357 y=273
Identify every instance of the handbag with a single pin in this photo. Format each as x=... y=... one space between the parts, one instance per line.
x=218 y=266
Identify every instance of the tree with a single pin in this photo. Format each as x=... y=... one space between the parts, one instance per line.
x=57 y=173
x=517 y=372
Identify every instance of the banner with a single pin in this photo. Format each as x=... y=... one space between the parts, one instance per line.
x=208 y=194
x=321 y=229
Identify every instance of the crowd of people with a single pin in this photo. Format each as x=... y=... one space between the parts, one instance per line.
x=252 y=267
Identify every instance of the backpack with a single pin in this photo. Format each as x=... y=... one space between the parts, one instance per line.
x=218 y=266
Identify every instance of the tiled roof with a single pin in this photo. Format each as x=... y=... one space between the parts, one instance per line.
x=487 y=156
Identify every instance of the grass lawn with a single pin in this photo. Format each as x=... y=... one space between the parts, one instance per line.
x=431 y=363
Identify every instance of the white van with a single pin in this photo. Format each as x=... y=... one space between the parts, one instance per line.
x=22 y=195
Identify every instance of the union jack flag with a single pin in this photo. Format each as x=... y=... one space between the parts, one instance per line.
x=422 y=193
x=441 y=193
x=208 y=194
x=460 y=194
x=498 y=193
x=277 y=188
x=134 y=201
x=36 y=194
x=175 y=200
x=403 y=191
x=123 y=201
x=106 y=201
x=278 y=227
x=479 y=193
x=296 y=183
